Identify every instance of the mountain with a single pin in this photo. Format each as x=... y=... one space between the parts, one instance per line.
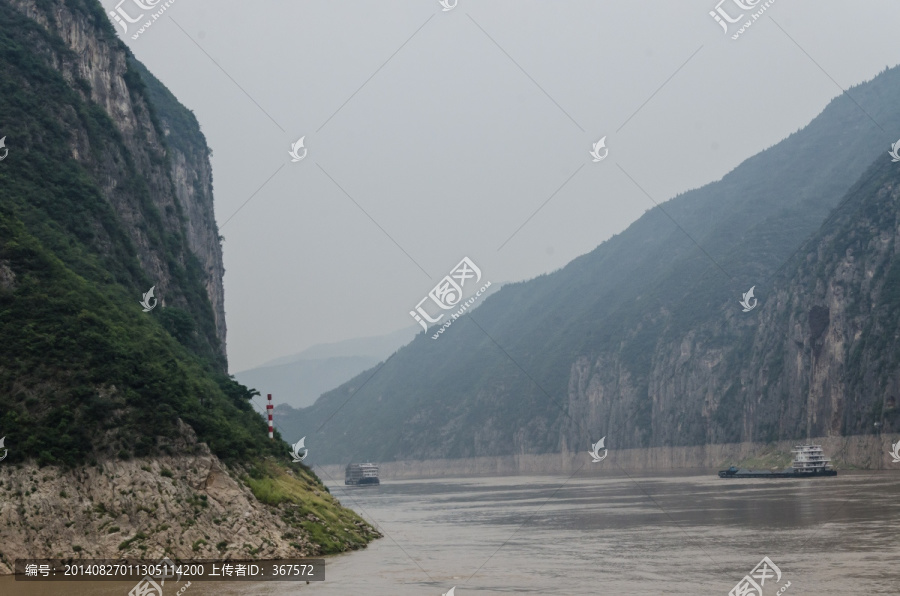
x=299 y=379
x=643 y=341
x=375 y=348
x=299 y=383
x=111 y=408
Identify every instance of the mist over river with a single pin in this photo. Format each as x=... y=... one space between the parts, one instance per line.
x=617 y=534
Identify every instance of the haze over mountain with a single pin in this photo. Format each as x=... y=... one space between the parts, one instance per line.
x=378 y=347
x=450 y=147
x=299 y=379
x=644 y=341
x=296 y=381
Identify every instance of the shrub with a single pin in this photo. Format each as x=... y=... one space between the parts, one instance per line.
x=127 y=543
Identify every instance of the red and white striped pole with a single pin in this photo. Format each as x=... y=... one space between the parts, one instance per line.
x=269 y=408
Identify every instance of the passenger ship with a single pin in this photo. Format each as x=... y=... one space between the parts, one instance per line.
x=361 y=474
x=809 y=462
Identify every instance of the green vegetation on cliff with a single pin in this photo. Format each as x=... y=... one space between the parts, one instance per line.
x=88 y=208
x=83 y=371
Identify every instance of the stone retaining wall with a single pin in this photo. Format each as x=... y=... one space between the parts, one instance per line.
x=861 y=452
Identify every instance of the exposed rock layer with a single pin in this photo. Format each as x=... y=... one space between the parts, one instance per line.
x=175 y=173
x=187 y=506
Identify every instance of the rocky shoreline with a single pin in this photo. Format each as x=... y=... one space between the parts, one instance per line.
x=186 y=507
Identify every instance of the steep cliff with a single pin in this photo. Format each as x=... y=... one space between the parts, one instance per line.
x=191 y=176
x=110 y=408
x=93 y=213
x=643 y=340
x=818 y=357
x=156 y=176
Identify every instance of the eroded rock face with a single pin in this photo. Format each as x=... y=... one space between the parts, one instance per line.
x=7 y=277
x=186 y=506
x=178 y=175
x=818 y=358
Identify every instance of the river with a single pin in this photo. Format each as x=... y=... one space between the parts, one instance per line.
x=618 y=534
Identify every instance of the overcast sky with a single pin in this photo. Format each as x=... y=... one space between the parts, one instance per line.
x=434 y=135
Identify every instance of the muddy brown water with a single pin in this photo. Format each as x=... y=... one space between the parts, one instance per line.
x=618 y=534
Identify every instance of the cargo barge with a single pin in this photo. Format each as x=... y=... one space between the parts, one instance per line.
x=361 y=475
x=809 y=462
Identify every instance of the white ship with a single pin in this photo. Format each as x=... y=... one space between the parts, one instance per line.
x=810 y=459
x=809 y=462
x=361 y=474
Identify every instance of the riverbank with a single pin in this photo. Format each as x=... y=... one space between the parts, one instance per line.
x=185 y=507
x=867 y=452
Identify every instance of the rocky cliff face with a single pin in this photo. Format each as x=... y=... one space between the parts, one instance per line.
x=186 y=507
x=818 y=357
x=164 y=175
x=192 y=177
x=125 y=435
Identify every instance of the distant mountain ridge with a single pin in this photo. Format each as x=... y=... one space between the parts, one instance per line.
x=610 y=344
x=298 y=380
x=378 y=347
x=299 y=384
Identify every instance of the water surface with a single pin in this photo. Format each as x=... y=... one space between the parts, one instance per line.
x=622 y=535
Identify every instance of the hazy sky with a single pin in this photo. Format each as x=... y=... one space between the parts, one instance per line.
x=434 y=135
